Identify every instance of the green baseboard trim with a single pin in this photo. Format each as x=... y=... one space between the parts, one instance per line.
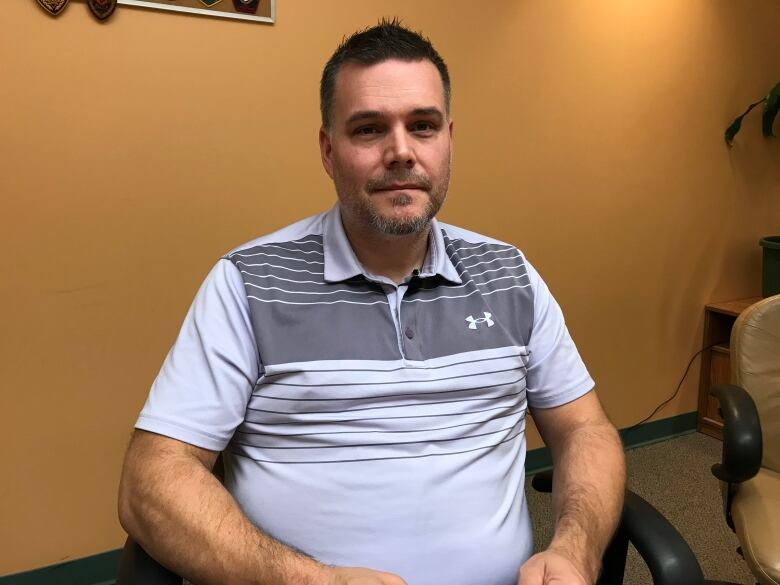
x=537 y=460
x=97 y=569
x=101 y=569
x=659 y=430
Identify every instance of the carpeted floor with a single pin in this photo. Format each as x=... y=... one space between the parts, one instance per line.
x=675 y=477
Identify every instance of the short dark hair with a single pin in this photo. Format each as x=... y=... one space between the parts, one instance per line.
x=389 y=39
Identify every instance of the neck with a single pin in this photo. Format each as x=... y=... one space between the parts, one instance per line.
x=394 y=257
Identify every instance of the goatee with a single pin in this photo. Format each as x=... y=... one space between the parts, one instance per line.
x=404 y=227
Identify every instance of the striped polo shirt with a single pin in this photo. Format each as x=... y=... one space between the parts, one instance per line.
x=368 y=423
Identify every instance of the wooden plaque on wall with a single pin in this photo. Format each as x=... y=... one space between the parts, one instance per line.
x=255 y=10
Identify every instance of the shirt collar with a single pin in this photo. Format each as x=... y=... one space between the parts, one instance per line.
x=342 y=264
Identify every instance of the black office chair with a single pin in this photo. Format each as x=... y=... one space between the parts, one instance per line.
x=667 y=555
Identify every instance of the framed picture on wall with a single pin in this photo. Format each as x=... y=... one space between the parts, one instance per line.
x=256 y=10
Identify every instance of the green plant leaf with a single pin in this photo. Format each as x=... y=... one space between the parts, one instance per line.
x=732 y=130
x=771 y=107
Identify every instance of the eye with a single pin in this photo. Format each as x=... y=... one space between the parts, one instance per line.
x=423 y=127
x=366 y=131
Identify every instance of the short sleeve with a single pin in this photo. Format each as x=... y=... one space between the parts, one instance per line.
x=556 y=373
x=201 y=393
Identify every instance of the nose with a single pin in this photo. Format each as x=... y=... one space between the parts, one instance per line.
x=399 y=150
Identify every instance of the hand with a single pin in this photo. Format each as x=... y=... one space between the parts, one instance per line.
x=550 y=568
x=361 y=576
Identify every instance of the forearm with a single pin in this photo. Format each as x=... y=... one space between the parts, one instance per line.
x=588 y=488
x=180 y=513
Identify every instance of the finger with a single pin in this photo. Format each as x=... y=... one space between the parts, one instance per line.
x=531 y=574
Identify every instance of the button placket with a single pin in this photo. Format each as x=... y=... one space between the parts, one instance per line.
x=409 y=328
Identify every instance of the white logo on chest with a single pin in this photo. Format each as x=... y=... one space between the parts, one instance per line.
x=486 y=319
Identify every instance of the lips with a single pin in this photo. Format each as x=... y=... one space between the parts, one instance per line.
x=400 y=187
x=399 y=182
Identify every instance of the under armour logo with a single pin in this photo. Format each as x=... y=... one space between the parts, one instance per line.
x=486 y=319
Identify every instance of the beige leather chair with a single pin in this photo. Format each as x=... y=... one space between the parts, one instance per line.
x=750 y=468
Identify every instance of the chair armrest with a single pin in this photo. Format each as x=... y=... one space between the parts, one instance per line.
x=667 y=555
x=542 y=481
x=742 y=445
x=136 y=567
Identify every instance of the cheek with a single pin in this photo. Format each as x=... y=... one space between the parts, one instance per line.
x=440 y=163
x=355 y=165
x=439 y=153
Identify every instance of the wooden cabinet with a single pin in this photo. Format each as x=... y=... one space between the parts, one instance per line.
x=715 y=367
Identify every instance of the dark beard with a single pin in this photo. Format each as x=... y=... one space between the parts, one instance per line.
x=365 y=213
x=415 y=225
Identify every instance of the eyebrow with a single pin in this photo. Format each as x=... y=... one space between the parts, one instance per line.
x=363 y=115
x=432 y=111
x=373 y=114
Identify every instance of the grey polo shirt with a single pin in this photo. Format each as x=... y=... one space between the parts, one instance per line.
x=367 y=423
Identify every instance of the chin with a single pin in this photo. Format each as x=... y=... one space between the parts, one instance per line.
x=401 y=224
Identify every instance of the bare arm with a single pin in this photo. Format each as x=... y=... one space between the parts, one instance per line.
x=173 y=506
x=588 y=483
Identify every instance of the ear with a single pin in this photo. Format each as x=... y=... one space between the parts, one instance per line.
x=326 y=152
x=451 y=128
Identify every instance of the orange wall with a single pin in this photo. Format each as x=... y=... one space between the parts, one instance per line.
x=134 y=153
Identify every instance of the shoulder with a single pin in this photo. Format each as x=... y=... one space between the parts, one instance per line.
x=308 y=230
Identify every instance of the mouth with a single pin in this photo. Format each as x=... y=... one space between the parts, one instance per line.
x=401 y=187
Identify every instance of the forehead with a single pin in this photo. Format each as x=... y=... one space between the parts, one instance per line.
x=389 y=86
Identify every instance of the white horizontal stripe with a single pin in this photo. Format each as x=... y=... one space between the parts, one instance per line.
x=322 y=283
x=282 y=257
x=489 y=252
x=518 y=276
x=283 y=248
x=498 y=246
x=275 y=266
x=305 y=239
x=300 y=292
x=368 y=292
x=500 y=268
x=475 y=283
x=382 y=302
x=484 y=294
x=483 y=262
x=452 y=360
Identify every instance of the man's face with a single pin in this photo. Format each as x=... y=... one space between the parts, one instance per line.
x=389 y=146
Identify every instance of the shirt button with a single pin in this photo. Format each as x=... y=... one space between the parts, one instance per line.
x=409 y=333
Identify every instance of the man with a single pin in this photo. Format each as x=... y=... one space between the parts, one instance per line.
x=366 y=373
